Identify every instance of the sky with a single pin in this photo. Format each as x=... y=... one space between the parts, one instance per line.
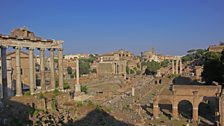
x=100 y=26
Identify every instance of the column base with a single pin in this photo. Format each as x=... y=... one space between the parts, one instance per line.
x=77 y=88
x=19 y=95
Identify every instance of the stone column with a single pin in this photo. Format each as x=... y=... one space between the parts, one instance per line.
x=133 y=91
x=42 y=69
x=4 y=72
x=31 y=67
x=77 y=86
x=175 y=106
x=156 y=108
x=195 y=106
x=52 y=68
x=34 y=73
x=173 y=71
x=177 y=67
x=180 y=66
x=175 y=111
x=18 y=73
x=60 y=69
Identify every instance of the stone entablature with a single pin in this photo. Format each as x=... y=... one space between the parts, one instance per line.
x=23 y=38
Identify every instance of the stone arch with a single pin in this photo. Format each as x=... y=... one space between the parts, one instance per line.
x=165 y=106
x=207 y=109
x=185 y=108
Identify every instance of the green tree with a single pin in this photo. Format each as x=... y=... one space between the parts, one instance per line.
x=194 y=54
x=69 y=70
x=152 y=67
x=213 y=67
x=164 y=63
x=84 y=66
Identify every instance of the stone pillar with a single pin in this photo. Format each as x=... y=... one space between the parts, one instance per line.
x=18 y=73
x=52 y=68
x=175 y=111
x=31 y=67
x=133 y=91
x=60 y=69
x=221 y=109
x=173 y=71
x=34 y=73
x=177 y=67
x=4 y=72
x=195 y=106
x=155 y=110
x=42 y=69
x=77 y=86
x=180 y=66
x=175 y=106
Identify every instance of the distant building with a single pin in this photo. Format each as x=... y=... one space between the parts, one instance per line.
x=73 y=56
x=216 y=48
x=115 y=63
x=111 y=68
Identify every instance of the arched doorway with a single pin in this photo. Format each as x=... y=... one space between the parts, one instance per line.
x=207 y=109
x=185 y=109
x=165 y=107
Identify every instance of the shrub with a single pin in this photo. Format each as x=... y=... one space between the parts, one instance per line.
x=56 y=92
x=54 y=104
x=79 y=104
x=66 y=85
x=84 y=89
x=27 y=93
x=41 y=95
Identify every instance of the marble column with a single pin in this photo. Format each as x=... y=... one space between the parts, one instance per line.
x=31 y=69
x=52 y=68
x=42 y=69
x=77 y=86
x=18 y=73
x=180 y=66
x=4 y=72
x=34 y=73
x=177 y=67
x=60 y=69
x=173 y=70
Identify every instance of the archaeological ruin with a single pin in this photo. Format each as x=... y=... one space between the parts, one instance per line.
x=195 y=96
x=22 y=38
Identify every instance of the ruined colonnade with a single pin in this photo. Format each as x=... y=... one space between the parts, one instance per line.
x=177 y=66
x=31 y=44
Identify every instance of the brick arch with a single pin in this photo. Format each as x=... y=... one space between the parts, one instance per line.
x=178 y=99
x=184 y=112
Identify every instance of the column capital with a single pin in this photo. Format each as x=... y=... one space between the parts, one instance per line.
x=51 y=49
x=31 y=48
x=17 y=47
x=60 y=49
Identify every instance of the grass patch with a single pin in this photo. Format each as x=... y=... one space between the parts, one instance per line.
x=41 y=95
x=27 y=93
x=56 y=92
x=79 y=103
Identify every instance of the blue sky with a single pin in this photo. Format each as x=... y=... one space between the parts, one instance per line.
x=100 y=26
